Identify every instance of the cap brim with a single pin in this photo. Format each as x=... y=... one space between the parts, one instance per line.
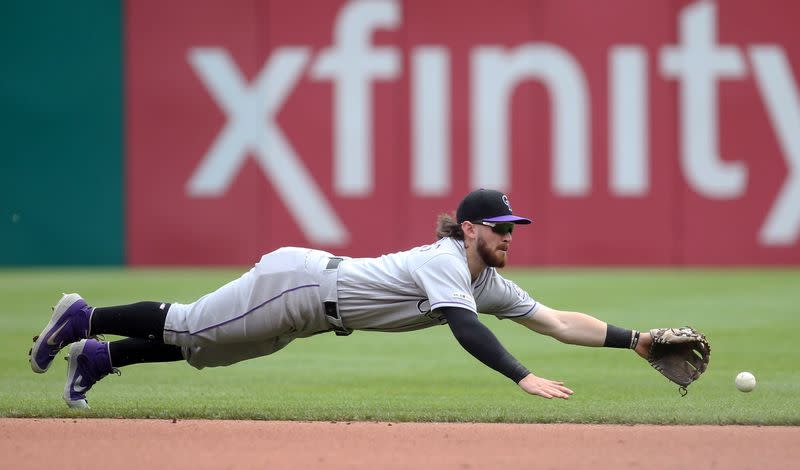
x=509 y=218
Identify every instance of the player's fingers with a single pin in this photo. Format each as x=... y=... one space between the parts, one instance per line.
x=566 y=390
x=540 y=391
x=560 y=387
x=550 y=391
x=561 y=391
x=546 y=388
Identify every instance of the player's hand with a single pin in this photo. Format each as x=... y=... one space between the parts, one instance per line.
x=544 y=387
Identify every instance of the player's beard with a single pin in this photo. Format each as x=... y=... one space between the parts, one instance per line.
x=493 y=258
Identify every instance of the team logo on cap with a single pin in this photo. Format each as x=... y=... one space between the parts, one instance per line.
x=507 y=203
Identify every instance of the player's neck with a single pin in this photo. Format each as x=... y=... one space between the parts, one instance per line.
x=475 y=263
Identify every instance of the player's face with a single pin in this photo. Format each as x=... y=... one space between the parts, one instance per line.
x=493 y=247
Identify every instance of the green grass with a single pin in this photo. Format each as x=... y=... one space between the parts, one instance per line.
x=750 y=317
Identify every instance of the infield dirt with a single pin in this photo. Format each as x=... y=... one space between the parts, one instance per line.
x=206 y=444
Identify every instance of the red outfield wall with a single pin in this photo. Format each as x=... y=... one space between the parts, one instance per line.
x=662 y=132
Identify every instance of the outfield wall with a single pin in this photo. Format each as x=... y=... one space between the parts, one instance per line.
x=658 y=133
x=61 y=182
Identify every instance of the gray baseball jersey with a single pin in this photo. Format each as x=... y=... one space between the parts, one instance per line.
x=282 y=299
x=401 y=291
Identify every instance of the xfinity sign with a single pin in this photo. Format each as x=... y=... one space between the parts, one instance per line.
x=687 y=114
x=698 y=62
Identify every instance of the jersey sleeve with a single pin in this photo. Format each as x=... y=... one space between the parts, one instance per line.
x=505 y=299
x=446 y=281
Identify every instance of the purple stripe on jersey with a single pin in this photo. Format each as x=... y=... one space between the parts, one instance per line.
x=245 y=313
x=529 y=311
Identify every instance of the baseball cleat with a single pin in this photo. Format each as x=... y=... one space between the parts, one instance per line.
x=88 y=362
x=69 y=323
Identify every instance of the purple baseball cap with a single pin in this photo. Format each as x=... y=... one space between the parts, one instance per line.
x=487 y=205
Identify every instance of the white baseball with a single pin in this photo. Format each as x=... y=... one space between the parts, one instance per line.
x=745 y=382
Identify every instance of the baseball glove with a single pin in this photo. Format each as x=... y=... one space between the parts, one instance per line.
x=680 y=354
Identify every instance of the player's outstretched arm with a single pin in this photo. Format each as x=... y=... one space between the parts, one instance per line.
x=584 y=330
x=567 y=327
x=479 y=341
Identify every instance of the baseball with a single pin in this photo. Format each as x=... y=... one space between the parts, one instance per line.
x=745 y=382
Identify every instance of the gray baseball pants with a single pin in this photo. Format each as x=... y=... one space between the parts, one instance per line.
x=279 y=300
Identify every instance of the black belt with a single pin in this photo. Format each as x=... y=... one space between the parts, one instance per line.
x=331 y=308
x=333 y=263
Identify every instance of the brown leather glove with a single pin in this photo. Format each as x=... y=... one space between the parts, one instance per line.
x=680 y=354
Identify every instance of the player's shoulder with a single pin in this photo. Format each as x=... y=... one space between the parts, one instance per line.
x=445 y=250
x=443 y=246
x=493 y=277
x=494 y=284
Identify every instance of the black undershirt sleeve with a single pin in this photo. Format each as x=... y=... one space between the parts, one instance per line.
x=479 y=341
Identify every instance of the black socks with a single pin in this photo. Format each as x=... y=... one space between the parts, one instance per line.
x=143 y=323
x=140 y=320
x=136 y=351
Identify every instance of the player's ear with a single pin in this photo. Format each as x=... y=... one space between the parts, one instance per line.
x=469 y=229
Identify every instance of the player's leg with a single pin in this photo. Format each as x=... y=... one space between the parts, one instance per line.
x=278 y=297
x=143 y=320
x=258 y=314
x=90 y=360
x=73 y=319
x=220 y=355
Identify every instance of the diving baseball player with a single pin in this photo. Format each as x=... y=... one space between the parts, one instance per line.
x=294 y=293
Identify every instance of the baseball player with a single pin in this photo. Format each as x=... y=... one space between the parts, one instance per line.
x=294 y=293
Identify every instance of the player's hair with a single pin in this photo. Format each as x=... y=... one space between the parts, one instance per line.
x=446 y=226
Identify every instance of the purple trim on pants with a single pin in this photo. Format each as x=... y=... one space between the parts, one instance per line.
x=244 y=314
